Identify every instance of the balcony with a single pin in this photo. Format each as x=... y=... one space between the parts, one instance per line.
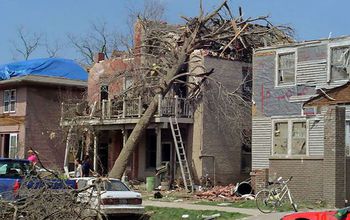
x=125 y=110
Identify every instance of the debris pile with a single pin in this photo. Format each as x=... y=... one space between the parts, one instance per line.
x=219 y=193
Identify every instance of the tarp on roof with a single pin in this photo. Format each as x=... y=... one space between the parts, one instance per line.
x=52 y=67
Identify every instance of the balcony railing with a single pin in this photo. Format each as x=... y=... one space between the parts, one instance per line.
x=128 y=108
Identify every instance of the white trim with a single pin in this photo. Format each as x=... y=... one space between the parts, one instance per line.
x=9 y=101
x=290 y=122
x=13 y=147
x=329 y=57
x=281 y=52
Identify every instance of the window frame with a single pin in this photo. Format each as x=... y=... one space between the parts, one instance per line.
x=347 y=131
x=13 y=146
x=331 y=46
x=127 y=77
x=283 y=52
x=11 y=102
x=290 y=122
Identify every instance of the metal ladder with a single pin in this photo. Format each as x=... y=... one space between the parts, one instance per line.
x=181 y=154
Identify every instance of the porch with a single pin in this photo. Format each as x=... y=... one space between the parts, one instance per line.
x=124 y=111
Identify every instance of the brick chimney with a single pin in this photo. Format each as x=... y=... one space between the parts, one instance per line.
x=99 y=57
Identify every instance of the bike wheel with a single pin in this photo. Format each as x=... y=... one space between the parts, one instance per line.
x=263 y=201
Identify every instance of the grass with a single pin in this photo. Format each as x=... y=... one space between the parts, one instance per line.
x=158 y=213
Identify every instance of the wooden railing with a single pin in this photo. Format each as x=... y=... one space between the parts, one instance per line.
x=129 y=108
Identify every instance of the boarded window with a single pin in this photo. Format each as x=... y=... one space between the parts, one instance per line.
x=299 y=138
x=286 y=68
x=280 y=138
x=339 y=63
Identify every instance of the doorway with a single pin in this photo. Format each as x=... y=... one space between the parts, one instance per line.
x=168 y=156
x=9 y=145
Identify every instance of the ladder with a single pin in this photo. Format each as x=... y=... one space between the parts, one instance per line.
x=181 y=154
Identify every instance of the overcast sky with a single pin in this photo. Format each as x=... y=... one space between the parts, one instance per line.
x=54 y=19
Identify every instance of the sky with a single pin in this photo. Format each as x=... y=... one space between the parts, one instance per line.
x=54 y=20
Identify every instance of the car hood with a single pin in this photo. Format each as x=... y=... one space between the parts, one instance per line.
x=120 y=194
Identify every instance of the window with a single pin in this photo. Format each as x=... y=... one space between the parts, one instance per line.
x=347 y=138
x=9 y=100
x=13 y=145
x=289 y=137
x=286 y=68
x=339 y=63
x=128 y=81
x=104 y=92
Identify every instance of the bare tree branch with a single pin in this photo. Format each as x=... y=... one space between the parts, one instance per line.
x=28 y=43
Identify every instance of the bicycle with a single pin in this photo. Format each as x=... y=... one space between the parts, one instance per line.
x=268 y=200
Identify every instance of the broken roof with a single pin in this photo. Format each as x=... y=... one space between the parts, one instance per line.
x=304 y=43
x=51 y=67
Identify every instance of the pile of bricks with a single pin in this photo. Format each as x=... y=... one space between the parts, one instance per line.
x=219 y=193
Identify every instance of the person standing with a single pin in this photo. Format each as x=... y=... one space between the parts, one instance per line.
x=78 y=168
x=32 y=157
x=86 y=166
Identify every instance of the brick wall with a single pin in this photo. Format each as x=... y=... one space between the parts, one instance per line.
x=259 y=178
x=43 y=131
x=221 y=126
x=334 y=157
x=307 y=182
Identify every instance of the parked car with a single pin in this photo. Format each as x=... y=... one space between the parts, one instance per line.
x=12 y=173
x=116 y=198
x=341 y=214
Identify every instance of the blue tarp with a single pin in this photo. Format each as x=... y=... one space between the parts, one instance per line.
x=53 y=67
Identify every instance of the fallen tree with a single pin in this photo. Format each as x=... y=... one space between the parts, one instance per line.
x=165 y=49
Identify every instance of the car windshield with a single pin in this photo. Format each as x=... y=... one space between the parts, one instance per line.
x=13 y=169
x=114 y=185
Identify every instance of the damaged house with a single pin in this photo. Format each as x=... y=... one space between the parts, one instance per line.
x=201 y=126
x=301 y=120
x=31 y=93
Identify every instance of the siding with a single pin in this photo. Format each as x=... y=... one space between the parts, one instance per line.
x=316 y=136
x=261 y=142
x=312 y=72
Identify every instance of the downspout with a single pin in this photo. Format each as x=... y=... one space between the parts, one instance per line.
x=95 y=152
x=210 y=156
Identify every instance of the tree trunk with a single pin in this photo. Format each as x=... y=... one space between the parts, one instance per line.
x=136 y=134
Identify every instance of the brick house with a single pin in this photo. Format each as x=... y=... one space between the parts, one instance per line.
x=211 y=148
x=300 y=125
x=31 y=93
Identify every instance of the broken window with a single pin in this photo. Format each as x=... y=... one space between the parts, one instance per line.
x=280 y=138
x=104 y=92
x=9 y=100
x=289 y=138
x=286 y=68
x=299 y=138
x=339 y=64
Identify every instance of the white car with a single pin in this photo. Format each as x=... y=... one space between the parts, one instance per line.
x=116 y=198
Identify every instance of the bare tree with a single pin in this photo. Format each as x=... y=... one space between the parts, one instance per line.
x=98 y=40
x=28 y=43
x=165 y=49
x=52 y=49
